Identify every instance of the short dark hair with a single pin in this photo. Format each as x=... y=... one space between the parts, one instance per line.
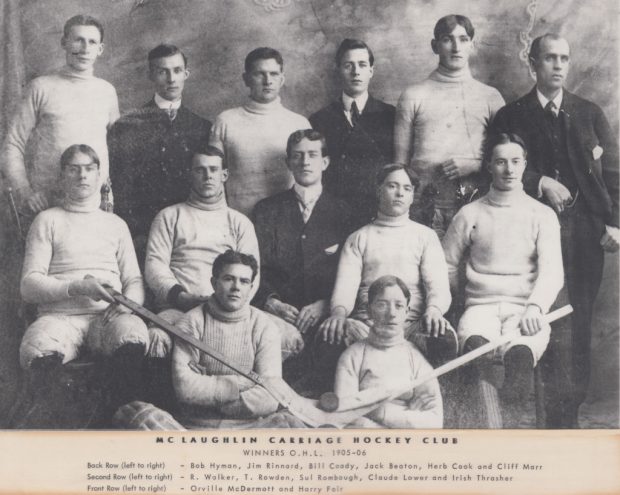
x=74 y=149
x=353 y=44
x=387 y=281
x=446 y=25
x=497 y=139
x=535 y=47
x=262 y=53
x=82 y=20
x=386 y=170
x=164 y=50
x=310 y=134
x=231 y=257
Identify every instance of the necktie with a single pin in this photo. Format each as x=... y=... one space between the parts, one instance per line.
x=551 y=110
x=355 y=114
x=305 y=210
x=172 y=113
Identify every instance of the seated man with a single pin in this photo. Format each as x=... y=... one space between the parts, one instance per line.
x=299 y=234
x=210 y=394
x=387 y=360
x=392 y=244
x=71 y=253
x=186 y=238
x=513 y=269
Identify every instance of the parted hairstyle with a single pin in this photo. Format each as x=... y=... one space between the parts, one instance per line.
x=378 y=286
x=353 y=44
x=446 y=25
x=72 y=150
x=82 y=20
x=165 y=50
x=386 y=170
x=535 y=48
x=494 y=140
x=231 y=257
x=262 y=53
x=310 y=134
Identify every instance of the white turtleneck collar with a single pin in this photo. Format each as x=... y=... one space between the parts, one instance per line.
x=253 y=106
x=71 y=73
x=386 y=336
x=388 y=221
x=441 y=74
x=201 y=203
x=504 y=198
x=88 y=205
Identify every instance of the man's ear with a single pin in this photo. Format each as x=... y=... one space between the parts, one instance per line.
x=326 y=162
x=187 y=72
x=224 y=174
x=246 y=79
x=434 y=46
x=101 y=49
x=213 y=282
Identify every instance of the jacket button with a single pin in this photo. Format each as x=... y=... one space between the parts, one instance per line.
x=343 y=157
x=303 y=236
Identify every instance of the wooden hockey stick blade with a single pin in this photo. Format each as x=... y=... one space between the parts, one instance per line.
x=304 y=409
x=372 y=395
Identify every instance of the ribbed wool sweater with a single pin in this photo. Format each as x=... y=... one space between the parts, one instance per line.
x=246 y=337
x=253 y=139
x=514 y=250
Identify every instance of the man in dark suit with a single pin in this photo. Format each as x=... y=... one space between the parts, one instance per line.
x=151 y=148
x=299 y=233
x=359 y=130
x=572 y=166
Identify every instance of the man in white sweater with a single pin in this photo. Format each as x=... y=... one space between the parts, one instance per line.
x=71 y=253
x=187 y=237
x=58 y=110
x=253 y=137
x=513 y=268
x=441 y=123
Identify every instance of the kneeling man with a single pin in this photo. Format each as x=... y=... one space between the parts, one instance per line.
x=71 y=253
x=513 y=268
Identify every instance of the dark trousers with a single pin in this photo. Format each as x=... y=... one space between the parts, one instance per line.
x=566 y=365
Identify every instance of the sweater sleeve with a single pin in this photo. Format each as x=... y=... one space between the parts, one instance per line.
x=114 y=112
x=455 y=242
x=159 y=276
x=247 y=243
x=191 y=387
x=131 y=278
x=496 y=101
x=434 y=273
x=217 y=137
x=20 y=128
x=349 y=275
x=346 y=381
x=403 y=129
x=36 y=285
x=550 y=270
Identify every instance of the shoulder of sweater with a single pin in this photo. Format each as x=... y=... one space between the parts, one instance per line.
x=294 y=115
x=261 y=323
x=230 y=113
x=239 y=217
x=418 y=90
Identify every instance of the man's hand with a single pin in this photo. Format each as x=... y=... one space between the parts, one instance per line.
x=611 y=239
x=187 y=301
x=91 y=287
x=311 y=314
x=285 y=311
x=112 y=311
x=556 y=193
x=33 y=202
x=332 y=329
x=455 y=168
x=434 y=322
x=531 y=321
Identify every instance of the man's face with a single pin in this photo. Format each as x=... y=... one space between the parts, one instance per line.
x=168 y=74
x=82 y=47
x=552 y=65
x=453 y=49
x=507 y=166
x=264 y=80
x=389 y=308
x=208 y=176
x=80 y=177
x=232 y=287
x=395 y=194
x=355 y=72
x=307 y=162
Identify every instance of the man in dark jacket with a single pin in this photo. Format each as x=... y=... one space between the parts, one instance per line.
x=151 y=147
x=572 y=166
x=359 y=131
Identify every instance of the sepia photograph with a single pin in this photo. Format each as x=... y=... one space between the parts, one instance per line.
x=332 y=245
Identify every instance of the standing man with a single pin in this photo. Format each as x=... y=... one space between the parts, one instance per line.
x=359 y=131
x=151 y=148
x=441 y=124
x=253 y=137
x=58 y=110
x=573 y=167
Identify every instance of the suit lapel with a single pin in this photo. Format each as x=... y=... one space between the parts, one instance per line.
x=537 y=113
x=292 y=210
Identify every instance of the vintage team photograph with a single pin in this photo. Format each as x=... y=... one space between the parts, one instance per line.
x=299 y=214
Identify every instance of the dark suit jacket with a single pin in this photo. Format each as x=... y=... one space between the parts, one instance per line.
x=299 y=261
x=356 y=153
x=150 y=162
x=586 y=128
